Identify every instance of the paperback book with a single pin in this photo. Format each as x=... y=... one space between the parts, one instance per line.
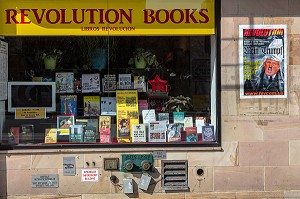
x=124 y=81
x=108 y=105
x=124 y=128
x=148 y=116
x=76 y=133
x=139 y=133
x=63 y=127
x=26 y=134
x=178 y=117
x=163 y=117
x=91 y=105
x=68 y=104
x=105 y=129
x=89 y=122
x=50 y=135
x=208 y=133
x=90 y=134
x=188 y=122
x=200 y=122
x=143 y=105
x=90 y=83
x=139 y=83
x=157 y=131
x=191 y=134
x=13 y=135
x=64 y=82
x=174 y=132
x=109 y=83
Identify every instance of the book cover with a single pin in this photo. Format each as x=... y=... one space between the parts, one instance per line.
x=13 y=135
x=163 y=117
x=124 y=81
x=191 y=134
x=63 y=126
x=27 y=133
x=50 y=135
x=139 y=83
x=139 y=133
x=148 y=116
x=174 y=132
x=64 y=82
x=143 y=105
x=199 y=122
x=105 y=129
x=108 y=105
x=109 y=83
x=76 y=133
x=91 y=105
x=124 y=128
x=188 y=122
x=90 y=83
x=89 y=122
x=68 y=104
x=157 y=131
x=178 y=117
x=208 y=133
x=90 y=134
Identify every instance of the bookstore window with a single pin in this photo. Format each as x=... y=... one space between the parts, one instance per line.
x=102 y=91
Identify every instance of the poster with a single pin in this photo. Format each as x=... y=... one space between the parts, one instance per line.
x=263 y=61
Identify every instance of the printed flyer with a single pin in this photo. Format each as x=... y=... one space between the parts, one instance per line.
x=263 y=61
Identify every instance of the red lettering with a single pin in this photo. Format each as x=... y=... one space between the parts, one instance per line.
x=63 y=17
x=173 y=18
x=190 y=15
x=36 y=15
x=205 y=16
x=11 y=17
x=146 y=19
x=91 y=11
x=57 y=17
x=158 y=19
x=23 y=15
x=124 y=14
x=75 y=18
x=116 y=14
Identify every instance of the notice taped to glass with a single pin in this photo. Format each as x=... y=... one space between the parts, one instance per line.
x=263 y=61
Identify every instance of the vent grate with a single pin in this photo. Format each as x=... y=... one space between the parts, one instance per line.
x=174 y=174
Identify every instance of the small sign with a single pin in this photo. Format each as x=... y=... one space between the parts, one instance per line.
x=159 y=155
x=44 y=181
x=30 y=113
x=69 y=167
x=89 y=175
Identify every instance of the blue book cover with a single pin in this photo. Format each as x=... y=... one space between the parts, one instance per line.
x=208 y=133
x=68 y=104
x=178 y=117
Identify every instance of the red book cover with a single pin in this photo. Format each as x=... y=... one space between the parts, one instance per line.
x=191 y=134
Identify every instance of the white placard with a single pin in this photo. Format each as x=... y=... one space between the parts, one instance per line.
x=89 y=175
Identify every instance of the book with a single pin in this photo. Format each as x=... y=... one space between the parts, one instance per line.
x=188 y=122
x=91 y=105
x=90 y=134
x=139 y=133
x=148 y=116
x=109 y=83
x=63 y=125
x=76 y=133
x=27 y=134
x=178 y=117
x=89 y=122
x=124 y=128
x=143 y=105
x=174 y=132
x=157 y=131
x=13 y=135
x=68 y=104
x=208 y=133
x=105 y=129
x=124 y=81
x=191 y=134
x=90 y=83
x=50 y=135
x=108 y=105
x=139 y=83
x=163 y=117
x=199 y=122
x=64 y=82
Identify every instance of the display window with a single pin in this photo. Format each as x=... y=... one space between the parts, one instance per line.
x=112 y=90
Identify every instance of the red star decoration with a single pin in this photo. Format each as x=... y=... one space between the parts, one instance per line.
x=158 y=84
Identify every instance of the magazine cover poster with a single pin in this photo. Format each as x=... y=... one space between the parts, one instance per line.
x=263 y=61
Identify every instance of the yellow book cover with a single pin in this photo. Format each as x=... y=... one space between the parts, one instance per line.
x=50 y=135
x=91 y=105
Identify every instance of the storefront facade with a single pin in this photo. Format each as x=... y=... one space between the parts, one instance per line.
x=254 y=153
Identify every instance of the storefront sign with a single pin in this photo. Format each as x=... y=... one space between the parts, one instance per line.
x=91 y=17
x=89 y=175
x=30 y=113
x=44 y=181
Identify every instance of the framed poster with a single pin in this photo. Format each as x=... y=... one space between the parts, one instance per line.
x=263 y=61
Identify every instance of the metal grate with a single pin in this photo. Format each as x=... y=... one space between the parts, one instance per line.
x=174 y=174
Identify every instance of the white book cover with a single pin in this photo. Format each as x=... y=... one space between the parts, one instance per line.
x=188 y=122
x=199 y=122
x=90 y=83
x=125 y=81
x=157 y=131
x=64 y=82
x=138 y=133
x=139 y=83
x=148 y=116
x=108 y=105
x=109 y=83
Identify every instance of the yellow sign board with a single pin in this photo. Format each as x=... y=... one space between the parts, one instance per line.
x=30 y=113
x=107 y=17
